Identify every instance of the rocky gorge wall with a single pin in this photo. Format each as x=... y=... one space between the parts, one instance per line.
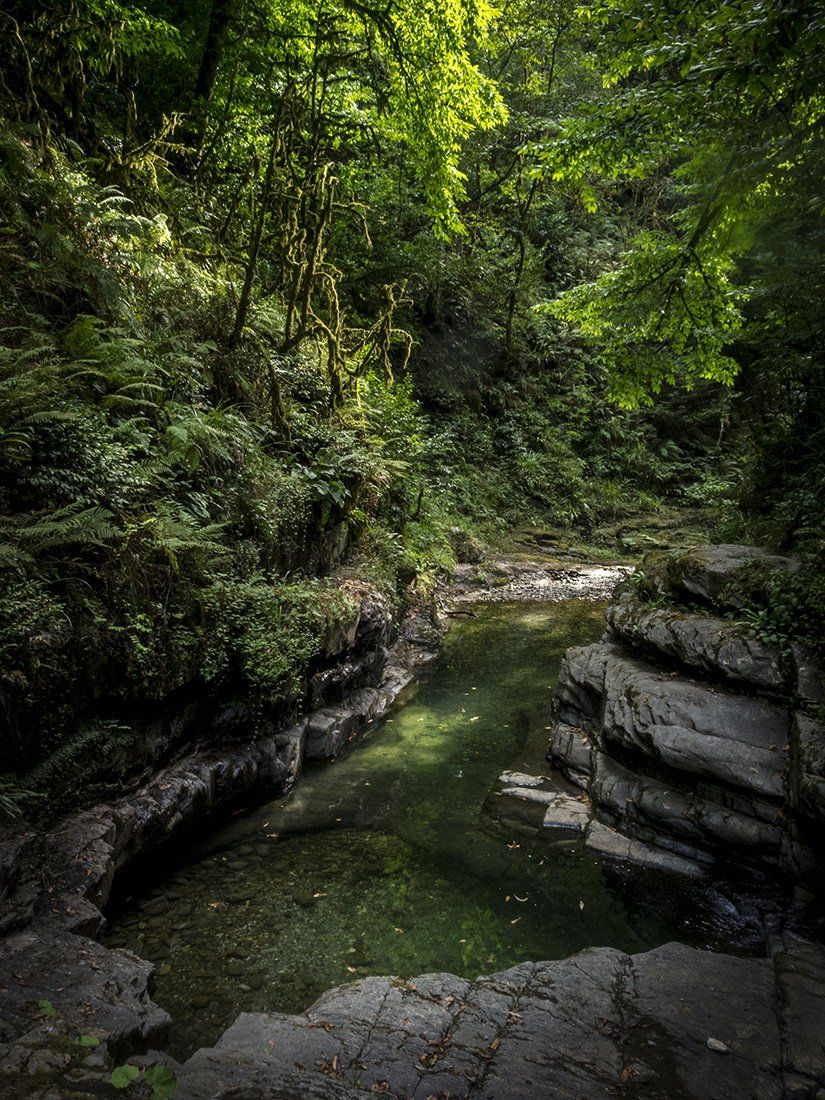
x=696 y=742
x=671 y=1023
x=232 y=751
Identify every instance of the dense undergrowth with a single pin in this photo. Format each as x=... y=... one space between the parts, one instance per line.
x=274 y=286
x=161 y=527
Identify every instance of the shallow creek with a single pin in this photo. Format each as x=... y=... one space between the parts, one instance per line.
x=391 y=860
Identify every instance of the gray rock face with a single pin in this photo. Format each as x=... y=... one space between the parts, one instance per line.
x=809 y=737
x=694 y=728
x=600 y=1024
x=713 y=646
x=581 y=684
x=570 y=751
x=679 y=820
x=731 y=766
x=89 y=987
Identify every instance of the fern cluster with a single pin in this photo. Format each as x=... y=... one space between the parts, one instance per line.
x=150 y=508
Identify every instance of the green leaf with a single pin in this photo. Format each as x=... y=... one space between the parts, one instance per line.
x=162 y=1080
x=123 y=1076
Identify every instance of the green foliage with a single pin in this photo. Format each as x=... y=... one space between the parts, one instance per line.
x=271 y=633
x=123 y=1076
x=14 y=799
x=160 y=1079
x=784 y=607
x=279 y=281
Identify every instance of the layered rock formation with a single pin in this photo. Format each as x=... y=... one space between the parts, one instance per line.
x=694 y=739
x=64 y=875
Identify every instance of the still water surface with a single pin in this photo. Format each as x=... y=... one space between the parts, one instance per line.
x=392 y=860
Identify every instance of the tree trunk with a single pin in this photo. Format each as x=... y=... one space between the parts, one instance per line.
x=219 y=17
x=254 y=247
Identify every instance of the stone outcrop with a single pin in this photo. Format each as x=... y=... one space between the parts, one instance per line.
x=671 y=1024
x=709 y=575
x=691 y=735
x=674 y=1023
x=79 y=857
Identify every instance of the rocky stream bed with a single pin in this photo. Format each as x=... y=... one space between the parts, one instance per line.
x=691 y=751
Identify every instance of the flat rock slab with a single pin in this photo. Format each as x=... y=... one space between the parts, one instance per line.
x=608 y=842
x=567 y=812
x=563 y=810
x=672 y=1024
x=520 y=779
x=90 y=988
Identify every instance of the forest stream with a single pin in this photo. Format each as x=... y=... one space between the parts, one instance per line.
x=394 y=861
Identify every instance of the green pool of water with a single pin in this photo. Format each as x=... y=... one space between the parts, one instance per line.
x=392 y=859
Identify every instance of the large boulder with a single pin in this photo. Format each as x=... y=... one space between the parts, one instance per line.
x=709 y=574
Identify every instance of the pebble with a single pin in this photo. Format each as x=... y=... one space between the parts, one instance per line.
x=718 y=1046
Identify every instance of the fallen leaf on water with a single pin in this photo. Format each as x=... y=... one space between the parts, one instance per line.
x=581 y=904
x=526 y=896
x=398 y=929
x=214 y=904
x=352 y=969
x=462 y=941
x=515 y=920
x=506 y=897
x=475 y=719
x=513 y=845
x=320 y=895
